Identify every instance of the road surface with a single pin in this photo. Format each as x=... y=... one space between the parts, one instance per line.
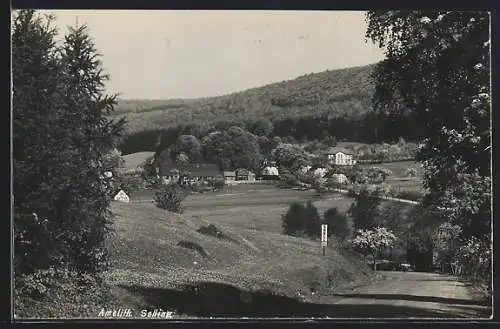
x=410 y=295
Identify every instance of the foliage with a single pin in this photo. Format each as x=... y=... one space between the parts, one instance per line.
x=58 y=292
x=437 y=68
x=447 y=240
x=411 y=172
x=290 y=157
x=474 y=256
x=373 y=241
x=170 y=198
x=219 y=183
x=231 y=149
x=338 y=224
x=61 y=135
x=188 y=145
x=301 y=218
x=365 y=209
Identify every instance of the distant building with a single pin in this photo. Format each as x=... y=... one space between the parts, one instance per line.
x=245 y=175
x=340 y=156
x=229 y=176
x=202 y=172
x=270 y=173
x=122 y=197
x=170 y=173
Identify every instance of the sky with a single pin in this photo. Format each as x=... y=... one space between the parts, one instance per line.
x=194 y=53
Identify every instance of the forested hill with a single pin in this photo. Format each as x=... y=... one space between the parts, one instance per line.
x=335 y=93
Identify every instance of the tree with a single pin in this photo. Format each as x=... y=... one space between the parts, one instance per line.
x=338 y=224
x=170 y=198
x=365 y=209
x=313 y=221
x=293 y=221
x=263 y=127
x=290 y=156
x=437 y=73
x=373 y=242
x=62 y=133
x=189 y=145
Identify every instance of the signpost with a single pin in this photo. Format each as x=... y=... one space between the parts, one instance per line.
x=324 y=237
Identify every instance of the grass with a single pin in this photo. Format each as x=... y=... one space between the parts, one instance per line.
x=145 y=250
x=135 y=159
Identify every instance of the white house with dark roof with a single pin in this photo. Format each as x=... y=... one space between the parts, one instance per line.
x=340 y=156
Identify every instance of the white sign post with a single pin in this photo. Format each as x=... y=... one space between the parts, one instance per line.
x=324 y=237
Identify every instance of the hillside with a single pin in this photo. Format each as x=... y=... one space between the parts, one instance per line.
x=153 y=265
x=345 y=91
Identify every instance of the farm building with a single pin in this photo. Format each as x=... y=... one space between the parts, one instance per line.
x=270 y=173
x=229 y=176
x=202 y=172
x=340 y=156
x=169 y=172
x=245 y=175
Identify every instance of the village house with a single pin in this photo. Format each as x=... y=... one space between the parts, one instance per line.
x=198 y=172
x=270 y=173
x=340 y=156
x=245 y=175
x=229 y=176
x=168 y=172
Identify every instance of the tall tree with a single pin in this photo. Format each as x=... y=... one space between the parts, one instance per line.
x=62 y=136
x=437 y=68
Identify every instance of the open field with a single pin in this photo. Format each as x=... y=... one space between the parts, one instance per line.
x=255 y=256
x=161 y=260
x=135 y=159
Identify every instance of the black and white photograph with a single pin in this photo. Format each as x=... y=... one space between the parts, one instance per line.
x=251 y=164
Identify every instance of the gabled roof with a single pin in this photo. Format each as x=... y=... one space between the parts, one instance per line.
x=229 y=174
x=243 y=172
x=202 y=170
x=335 y=150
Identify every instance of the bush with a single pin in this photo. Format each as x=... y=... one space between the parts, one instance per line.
x=301 y=218
x=219 y=184
x=338 y=224
x=410 y=172
x=58 y=293
x=170 y=198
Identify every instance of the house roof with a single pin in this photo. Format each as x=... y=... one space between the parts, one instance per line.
x=243 y=172
x=229 y=173
x=335 y=150
x=202 y=170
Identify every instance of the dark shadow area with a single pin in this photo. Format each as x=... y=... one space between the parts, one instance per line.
x=430 y=299
x=221 y=300
x=193 y=246
x=212 y=230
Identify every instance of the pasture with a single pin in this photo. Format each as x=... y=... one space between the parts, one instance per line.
x=135 y=159
x=151 y=247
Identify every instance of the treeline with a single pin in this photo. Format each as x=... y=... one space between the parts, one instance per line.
x=370 y=128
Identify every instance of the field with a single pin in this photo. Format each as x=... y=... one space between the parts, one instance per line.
x=135 y=159
x=157 y=252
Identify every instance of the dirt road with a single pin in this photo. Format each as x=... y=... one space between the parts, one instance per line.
x=409 y=295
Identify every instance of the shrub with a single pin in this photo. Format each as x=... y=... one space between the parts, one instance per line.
x=410 y=172
x=301 y=219
x=219 y=184
x=338 y=224
x=170 y=198
x=365 y=209
x=58 y=293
